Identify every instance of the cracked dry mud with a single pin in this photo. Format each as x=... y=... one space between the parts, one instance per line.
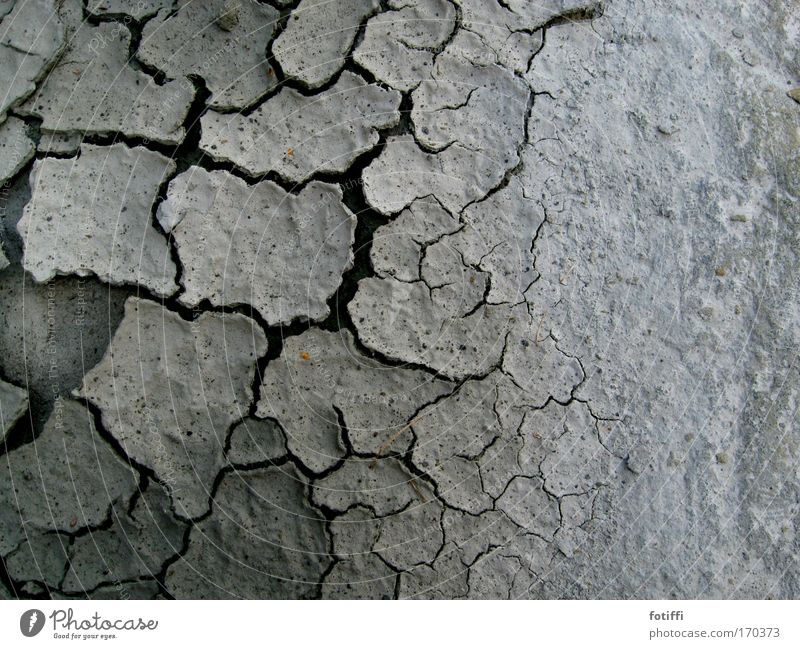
x=399 y=299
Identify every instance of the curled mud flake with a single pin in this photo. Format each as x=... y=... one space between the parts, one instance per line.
x=298 y=136
x=204 y=39
x=92 y=215
x=99 y=92
x=282 y=253
x=317 y=38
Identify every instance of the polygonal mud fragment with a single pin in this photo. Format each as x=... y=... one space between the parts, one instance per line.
x=32 y=38
x=475 y=535
x=256 y=440
x=512 y=38
x=261 y=541
x=383 y=486
x=298 y=136
x=403 y=172
x=539 y=368
x=321 y=375
x=497 y=239
x=536 y=14
x=403 y=540
x=483 y=108
x=16 y=148
x=94 y=89
x=498 y=575
x=283 y=254
x=65 y=480
x=398 y=46
x=318 y=36
x=40 y=558
x=413 y=536
x=471 y=120
x=136 y=9
x=397 y=247
x=13 y=404
x=401 y=320
x=92 y=214
x=578 y=462
x=62 y=144
x=445 y=579
x=361 y=577
x=169 y=390
x=229 y=54
x=354 y=532
x=450 y=436
x=136 y=545
x=527 y=504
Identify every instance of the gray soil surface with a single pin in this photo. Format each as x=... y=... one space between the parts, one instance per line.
x=399 y=299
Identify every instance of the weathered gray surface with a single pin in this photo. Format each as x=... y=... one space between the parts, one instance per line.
x=298 y=136
x=93 y=214
x=228 y=53
x=170 y=404
x=547 y=350
x=94 y=88
x=281 y=253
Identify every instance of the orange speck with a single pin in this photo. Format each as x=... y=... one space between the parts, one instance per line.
x=305 y=356
x=73 y=521
x=290 y=151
